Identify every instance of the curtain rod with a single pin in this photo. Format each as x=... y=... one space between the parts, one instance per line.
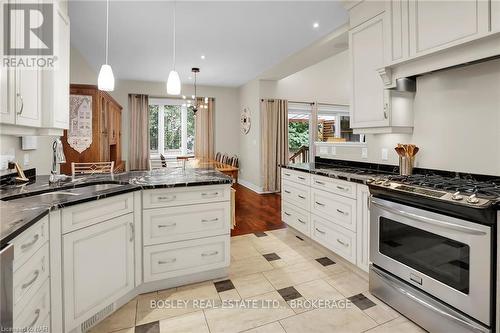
x=272 y=101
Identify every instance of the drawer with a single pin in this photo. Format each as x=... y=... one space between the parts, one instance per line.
x=28 y=279
x=339 y=209
x=296 y=194
x=83 y=215
x=296 y=218
x=37 y=310
x=188 y=257
x=167 y=197
x=337 y=186
x=162 y=225
x=337 y=239
x=296 y=176
x=26 y=244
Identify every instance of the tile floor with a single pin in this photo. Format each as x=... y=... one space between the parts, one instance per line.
x=277 y=283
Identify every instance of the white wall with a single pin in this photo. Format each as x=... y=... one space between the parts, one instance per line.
x=226 y=103
x=40 y=158
x=327 y=81
x=249 y=144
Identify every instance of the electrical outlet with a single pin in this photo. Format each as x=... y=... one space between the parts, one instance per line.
x=26 y=159
x=385 y=154
x=334 y=150
x=364 y=152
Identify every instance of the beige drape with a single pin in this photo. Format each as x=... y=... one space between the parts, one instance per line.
x=204 y=131
x=138 y=108
x=274 y=136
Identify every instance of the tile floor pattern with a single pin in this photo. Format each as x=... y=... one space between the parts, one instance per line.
x=272 y=268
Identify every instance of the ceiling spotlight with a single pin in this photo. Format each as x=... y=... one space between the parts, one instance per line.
x=315 y=25
x=202 y=57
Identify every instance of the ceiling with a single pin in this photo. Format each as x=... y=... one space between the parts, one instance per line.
x=240 y=39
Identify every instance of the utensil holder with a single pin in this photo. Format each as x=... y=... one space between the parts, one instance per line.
x=406 y=165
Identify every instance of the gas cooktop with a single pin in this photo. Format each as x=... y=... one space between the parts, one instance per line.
x=463 y=191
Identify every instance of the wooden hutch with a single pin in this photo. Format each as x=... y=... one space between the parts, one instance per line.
x=106 y=131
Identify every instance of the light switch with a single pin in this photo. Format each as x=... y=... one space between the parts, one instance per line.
x=364 y=152
x=384 y=154
x=26 y=159
x=334 y=150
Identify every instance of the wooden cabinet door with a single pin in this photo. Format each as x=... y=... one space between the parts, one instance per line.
x=112 y=124
x=98 y=267
x=104 y=128
x=367 y=52
x=436 y=25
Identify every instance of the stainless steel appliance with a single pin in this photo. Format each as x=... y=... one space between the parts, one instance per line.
x=6 y=287
x=433 y=250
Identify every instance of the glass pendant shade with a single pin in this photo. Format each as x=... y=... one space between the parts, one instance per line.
x=106 y=79
x=173 y=83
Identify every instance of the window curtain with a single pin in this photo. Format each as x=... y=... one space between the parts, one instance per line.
x=204 y=130
x=274 y=141
x=138 y=107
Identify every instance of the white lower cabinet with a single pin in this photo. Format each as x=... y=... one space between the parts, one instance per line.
x=36 y=312
x=336 y=217
x=98 y=267
x=337 y=239
x=181 y=258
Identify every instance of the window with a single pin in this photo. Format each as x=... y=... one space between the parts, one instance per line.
x=333 y=124
x=171 y=127
x=299 y=131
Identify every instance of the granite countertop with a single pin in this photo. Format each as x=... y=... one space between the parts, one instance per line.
x=341 y=171
x=21 y=205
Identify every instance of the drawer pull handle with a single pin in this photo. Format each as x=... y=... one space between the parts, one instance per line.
x=167 y=225
x=287 y=174
x=342 y=243
x=320 y=204
x=301 y=178
x=212 y=220
x=30 y=282
x=169 y=261
x=286 y=191
x=30 y=244
x=169 y=198
x=301 y=196
x=303 y=222
x=342 y=188
x=319 y=183
x=37 y=316
x=22 y=103
x=342 y=212
x=208 y=254
x=320 y=231
x=287 y=214
x=213 y=194
x=132 y=231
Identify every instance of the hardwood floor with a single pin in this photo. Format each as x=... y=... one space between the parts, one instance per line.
x=256 y=212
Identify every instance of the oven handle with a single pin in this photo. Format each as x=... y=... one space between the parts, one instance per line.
x=467 y=324
x=449 y=225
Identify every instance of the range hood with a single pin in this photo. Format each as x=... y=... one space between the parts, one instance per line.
x=409 y=84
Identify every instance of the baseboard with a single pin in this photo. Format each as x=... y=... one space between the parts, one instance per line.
x=251 y=186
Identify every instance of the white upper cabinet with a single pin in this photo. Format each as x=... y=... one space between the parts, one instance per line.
x=27 y=97
x=495 y=15
x=55 y=83
x=436 y=25
x=366 y=46
x=397 y=30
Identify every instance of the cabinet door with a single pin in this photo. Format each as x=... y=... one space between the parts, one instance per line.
x=112 y=125
x=495 y=15
x=436 y=25
x=98 y=267
x=6 y=81
x=104 y=124
x=397 y=30
x=27 y=99
x=363 y=228
x=367 y=51
x=61 y=75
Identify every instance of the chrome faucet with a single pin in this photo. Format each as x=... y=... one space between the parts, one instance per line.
x=57 y=158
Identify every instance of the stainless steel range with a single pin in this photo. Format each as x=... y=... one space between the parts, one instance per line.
x=433 y=248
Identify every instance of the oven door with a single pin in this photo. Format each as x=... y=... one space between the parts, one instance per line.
x=446 y=257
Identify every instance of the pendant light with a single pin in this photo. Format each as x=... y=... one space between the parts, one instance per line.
x=106 y=79
x=173 y=82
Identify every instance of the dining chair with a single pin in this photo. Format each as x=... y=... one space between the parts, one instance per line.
x=90 y=168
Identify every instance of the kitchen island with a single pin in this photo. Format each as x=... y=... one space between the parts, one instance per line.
x=84 y=248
